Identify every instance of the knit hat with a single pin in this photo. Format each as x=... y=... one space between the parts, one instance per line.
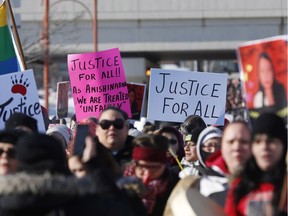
x=193 y=136
x=63 y=130
x=272 y=125
x=190 y=123
x=8 y=137
x=21 y=119
x=208 y=133
x=39 y=153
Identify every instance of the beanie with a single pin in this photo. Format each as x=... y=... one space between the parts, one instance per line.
x=208 y=133
x=39 y=153
x=21 y=119
x=272 y=125
x=191 y=122
x=193 y=136
x=8 y=137
x=63 y=130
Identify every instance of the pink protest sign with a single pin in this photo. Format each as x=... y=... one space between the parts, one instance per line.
x=97 y=80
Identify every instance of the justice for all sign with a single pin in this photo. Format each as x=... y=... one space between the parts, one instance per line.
x=20 y=95
x=174 y=95
x=97 y=80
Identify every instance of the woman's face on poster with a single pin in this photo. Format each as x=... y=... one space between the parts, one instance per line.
x=131 y=95
x=266 y=73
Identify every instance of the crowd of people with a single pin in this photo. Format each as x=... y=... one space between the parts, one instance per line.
x=189 y=169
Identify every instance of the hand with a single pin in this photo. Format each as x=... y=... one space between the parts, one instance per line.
x=90 y=149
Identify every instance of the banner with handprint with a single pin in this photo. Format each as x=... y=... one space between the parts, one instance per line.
x=19 y=94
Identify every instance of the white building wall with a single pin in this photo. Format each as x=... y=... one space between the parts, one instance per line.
x=152 y=25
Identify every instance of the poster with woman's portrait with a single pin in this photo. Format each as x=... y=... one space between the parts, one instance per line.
x=263 y=66
x=136 y=92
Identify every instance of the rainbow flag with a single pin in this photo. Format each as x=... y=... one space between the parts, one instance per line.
x=8 y=58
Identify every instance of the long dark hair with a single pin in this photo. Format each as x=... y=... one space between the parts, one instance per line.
x=252 y=176
x=177 y=133
x=278 y=94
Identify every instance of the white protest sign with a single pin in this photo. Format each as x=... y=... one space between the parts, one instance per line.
x=19 y=94
x=174 y=95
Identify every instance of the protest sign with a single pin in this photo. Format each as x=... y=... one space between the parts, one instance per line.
x=97 y=80
x=263 y=65
x=136 y=92
x=174 y=95
x=62 y=99
x=19 y=94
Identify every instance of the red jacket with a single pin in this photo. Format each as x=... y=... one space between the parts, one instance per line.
x=257 y=202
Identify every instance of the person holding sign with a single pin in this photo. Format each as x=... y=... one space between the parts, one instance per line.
x=190 y=162
x=271 y=93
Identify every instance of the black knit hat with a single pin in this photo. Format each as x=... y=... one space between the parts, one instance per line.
x=272 y=125
x=8 y=137
x=18 y=119
x=38 y=153
x=190 y=123
x=193 y=136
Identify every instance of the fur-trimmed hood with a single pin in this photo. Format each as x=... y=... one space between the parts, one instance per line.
x=48 y=194
x=23 y=183
x=33 y=194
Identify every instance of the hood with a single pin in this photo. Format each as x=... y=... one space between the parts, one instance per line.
x=206 y=134
x=26 y=191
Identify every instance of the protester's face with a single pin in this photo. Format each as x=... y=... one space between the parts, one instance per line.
x=212 y=145
x=148 y=170
x=236 y=147
x=112 y=138
x=76 y=167
x=173 y=141
x=8 y=163
x=190 y=151
x=265 y=73
x=267 y=151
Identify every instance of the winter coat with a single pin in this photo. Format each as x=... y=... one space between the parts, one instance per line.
x=47 y=194
x=124 y=156
x=257 y=202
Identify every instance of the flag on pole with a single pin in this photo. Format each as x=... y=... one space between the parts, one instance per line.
x=8 y=58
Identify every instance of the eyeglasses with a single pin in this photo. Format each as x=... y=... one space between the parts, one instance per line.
x=118 y=124
x=211 y=147
x=10 y=152
x=173 y=141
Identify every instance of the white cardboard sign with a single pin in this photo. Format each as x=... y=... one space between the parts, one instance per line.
x=19 y=94
x=174 y=95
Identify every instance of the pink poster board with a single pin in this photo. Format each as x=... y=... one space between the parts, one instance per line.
x=97 y=81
